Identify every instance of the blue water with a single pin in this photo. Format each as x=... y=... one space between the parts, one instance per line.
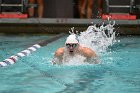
x=119 y=71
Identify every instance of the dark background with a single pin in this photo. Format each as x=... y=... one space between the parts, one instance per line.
x=69 y=8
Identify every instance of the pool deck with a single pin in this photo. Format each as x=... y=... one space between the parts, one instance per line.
x=57 y=25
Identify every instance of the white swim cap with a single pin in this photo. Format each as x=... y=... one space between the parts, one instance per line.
x=72 y=39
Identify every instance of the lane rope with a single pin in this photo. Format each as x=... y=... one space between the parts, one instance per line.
x=13 y=59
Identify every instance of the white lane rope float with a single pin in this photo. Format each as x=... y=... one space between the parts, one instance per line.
x=12 y=59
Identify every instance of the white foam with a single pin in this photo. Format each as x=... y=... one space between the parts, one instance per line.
x=74 y=60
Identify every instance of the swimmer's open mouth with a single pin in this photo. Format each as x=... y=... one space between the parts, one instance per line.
x=71 y=51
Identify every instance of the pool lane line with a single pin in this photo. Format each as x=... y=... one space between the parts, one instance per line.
x=12 y=59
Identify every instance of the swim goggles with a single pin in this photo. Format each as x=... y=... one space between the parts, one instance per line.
x=68 y=45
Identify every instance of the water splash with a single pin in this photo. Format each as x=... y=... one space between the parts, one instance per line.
x=98 y=38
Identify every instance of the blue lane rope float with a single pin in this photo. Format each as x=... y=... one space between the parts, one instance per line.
x=11 y=60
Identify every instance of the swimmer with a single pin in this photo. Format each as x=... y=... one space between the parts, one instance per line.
x=73 y=48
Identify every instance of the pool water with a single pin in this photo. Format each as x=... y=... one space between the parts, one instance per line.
x=119 y=71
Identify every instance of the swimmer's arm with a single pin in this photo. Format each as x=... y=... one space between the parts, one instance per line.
x=92 y=57
x=94 y=60
x=55 y=61
x=58 y=56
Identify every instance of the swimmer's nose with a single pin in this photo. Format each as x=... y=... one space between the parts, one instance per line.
x=71 y=47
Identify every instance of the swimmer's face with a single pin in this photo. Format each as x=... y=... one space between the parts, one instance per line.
x=72 y=47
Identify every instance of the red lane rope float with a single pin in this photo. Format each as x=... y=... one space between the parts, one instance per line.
x=11 y=60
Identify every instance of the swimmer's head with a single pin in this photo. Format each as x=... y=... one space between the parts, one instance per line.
x=71 y=43
x=72 y=39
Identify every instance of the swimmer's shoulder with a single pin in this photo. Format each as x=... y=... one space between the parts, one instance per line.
x=59 y=51
x=88 y=52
